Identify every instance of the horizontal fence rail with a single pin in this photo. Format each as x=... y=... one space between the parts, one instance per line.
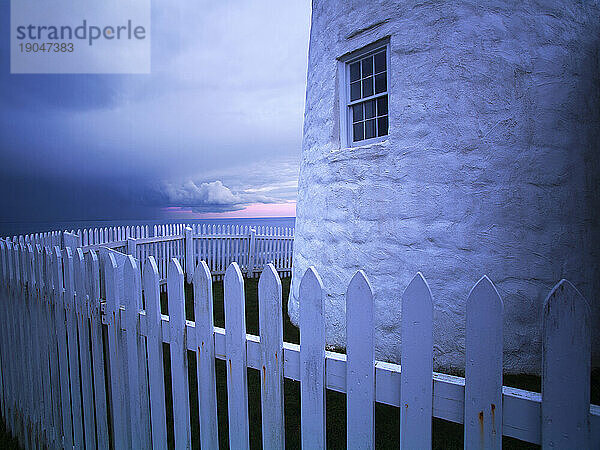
x=219 y=245
x=61 y=308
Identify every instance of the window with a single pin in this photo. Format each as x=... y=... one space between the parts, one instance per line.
x=367 y=95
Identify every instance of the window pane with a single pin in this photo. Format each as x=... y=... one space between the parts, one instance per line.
x=355 y=71
x=370 y=129
x=380 y=62
x=369 y=109
x=367 y=67
x=357 y=129
x=367 y=84
x=382 y=126
x=354 y=91
x=382 y=106
x=380 y=83
x=357 y=112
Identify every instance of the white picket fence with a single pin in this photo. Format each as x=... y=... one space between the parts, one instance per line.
x=53 y=377
x=47 y=239
x=219 y=245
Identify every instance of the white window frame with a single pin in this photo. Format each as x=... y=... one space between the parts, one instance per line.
x=345 y=104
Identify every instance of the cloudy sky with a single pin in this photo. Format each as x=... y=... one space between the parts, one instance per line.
x=215 y=130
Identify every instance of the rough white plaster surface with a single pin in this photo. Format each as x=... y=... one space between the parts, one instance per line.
x=491 y=166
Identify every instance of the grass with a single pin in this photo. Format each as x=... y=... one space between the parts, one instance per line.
x=446 y=435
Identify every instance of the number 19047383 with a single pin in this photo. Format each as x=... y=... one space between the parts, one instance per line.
x=47 y=47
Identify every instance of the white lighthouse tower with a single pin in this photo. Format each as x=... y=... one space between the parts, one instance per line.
x=457 y=139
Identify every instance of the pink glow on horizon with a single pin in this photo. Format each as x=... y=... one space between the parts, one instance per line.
x=254 y=210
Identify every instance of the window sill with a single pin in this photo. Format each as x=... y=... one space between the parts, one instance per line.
x=367 y=143
x=367 y=146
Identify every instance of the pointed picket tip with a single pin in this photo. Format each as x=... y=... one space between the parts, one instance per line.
x=40 y=260
x=174 y=268
x=132 y=283
x=29 y=270
x=360 y=283
x=566 y=290
x=91 y=260
x=78 y=267
x=150 y=268
x=269 y=277
x=130 y=272
x=417 y=289
x=68 y=253
x=130 y=264
x=111 y=262
x=79 y=255
x=150 y=282
x=484 y=290
x=2 y=256
x=233 y=273
x=57 y=253
x=92 y=256
x=202 y=273
x=79 y=263
x=310 y=281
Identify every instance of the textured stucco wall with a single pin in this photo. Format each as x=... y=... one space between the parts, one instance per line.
x=491 y=166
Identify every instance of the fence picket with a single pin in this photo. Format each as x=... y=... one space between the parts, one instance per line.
x=483 y=371
x=6 y=378
x=72 y=325
x=39 y=355
x=566 y=365
x=252 y=247
x=7 y=386
x=416 y=387
x=14 y=345
x=30 y=411
x=14 y=276
x=29 y=328
x=81 y=309
x=235 y=349
x=312 y=360
x=18 y=305
x=93 y=279
x=22 y=320
x=190 y=259
x=53 y=356
x=221 y=248
x=207 y=388
x=61 y=337
x=271 y=344
x=42 y=345
x=155 y=354
x=179 y=374
x=360 y=367
x=115 y=354
x=132 y=302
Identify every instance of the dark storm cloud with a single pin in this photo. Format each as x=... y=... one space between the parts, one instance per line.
x=224 y=102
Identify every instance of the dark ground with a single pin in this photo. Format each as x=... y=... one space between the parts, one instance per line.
x=446 y=435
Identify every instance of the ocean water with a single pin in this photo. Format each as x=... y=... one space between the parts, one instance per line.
x=17 y=228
